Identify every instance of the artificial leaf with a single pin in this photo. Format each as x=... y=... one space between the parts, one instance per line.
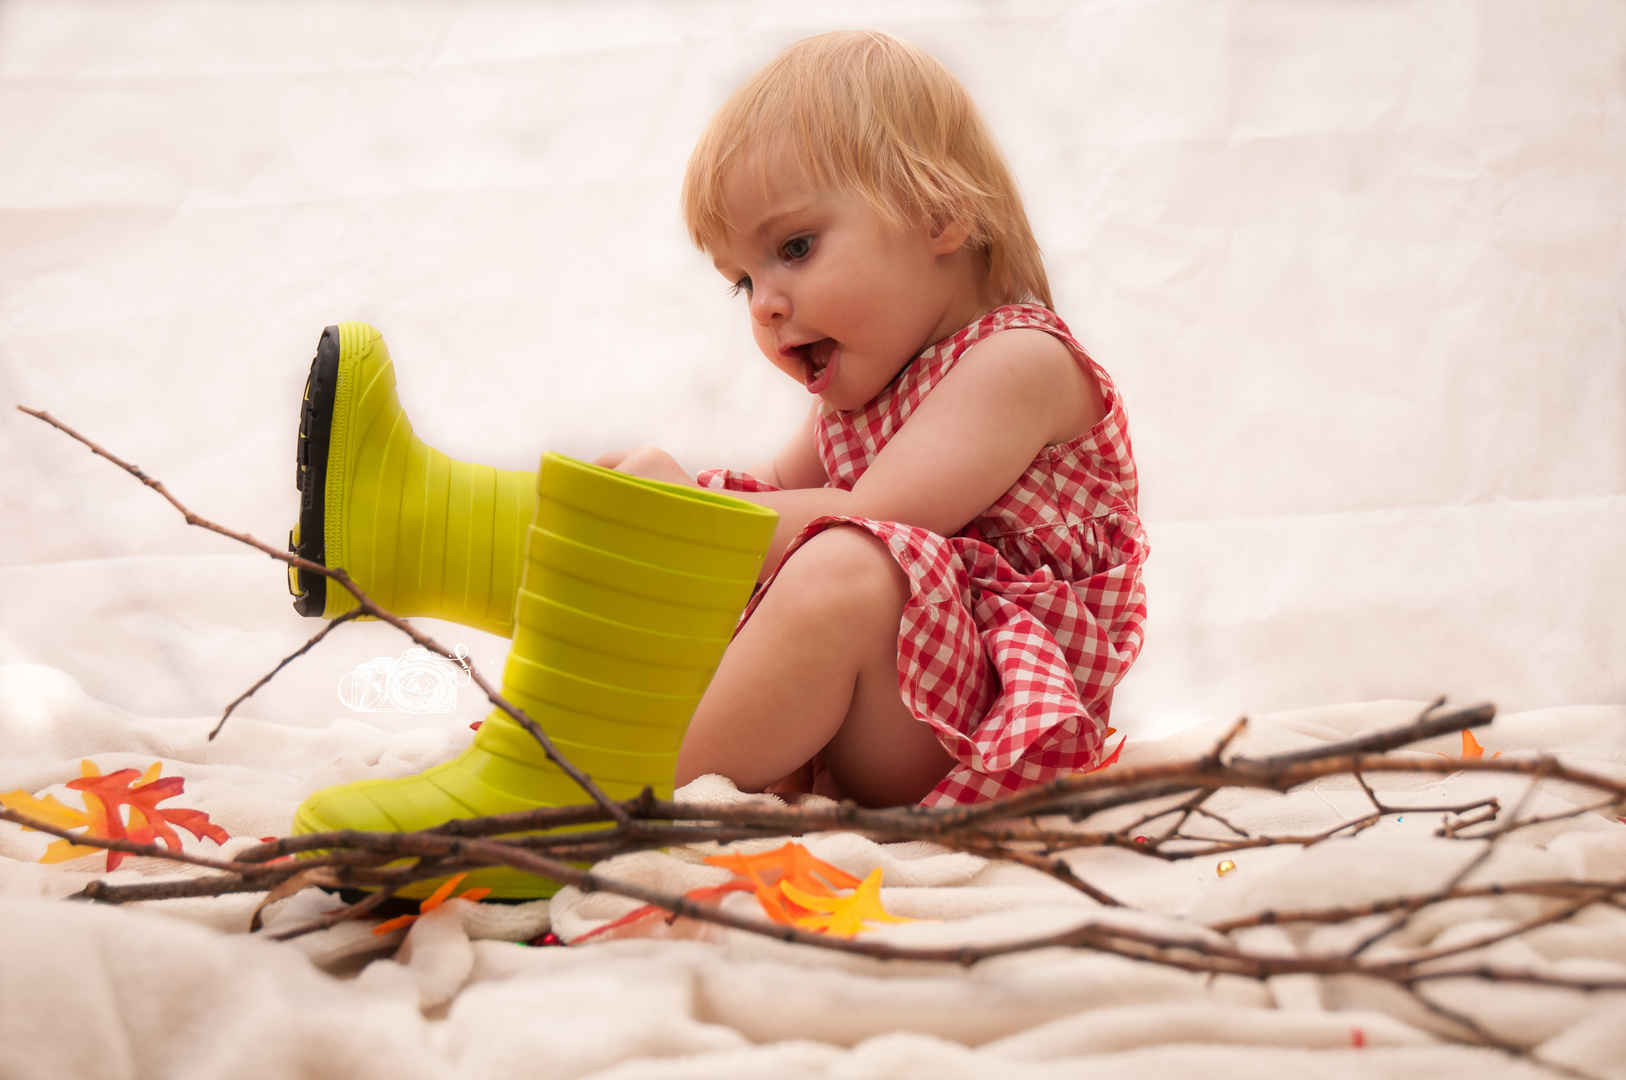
x=431 y=902
x=1112 y=758
x=844 y=916
x=105 y=797
x=50 y=810
x=789 y=862
x=770 y=875
x=63 y=850
x=776 y=905
x=1471 y=750
x=397 y=923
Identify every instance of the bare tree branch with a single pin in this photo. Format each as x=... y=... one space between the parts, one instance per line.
x=1034 y=828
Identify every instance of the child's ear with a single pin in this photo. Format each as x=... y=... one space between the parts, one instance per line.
x=950 y=237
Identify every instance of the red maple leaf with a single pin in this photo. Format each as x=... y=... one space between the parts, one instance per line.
x=105 y=796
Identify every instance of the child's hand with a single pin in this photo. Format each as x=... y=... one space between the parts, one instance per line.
x=650 y=462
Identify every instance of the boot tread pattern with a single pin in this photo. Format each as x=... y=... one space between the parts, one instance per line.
x=310 y=458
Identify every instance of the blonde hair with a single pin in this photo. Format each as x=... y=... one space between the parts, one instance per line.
x=876 y=117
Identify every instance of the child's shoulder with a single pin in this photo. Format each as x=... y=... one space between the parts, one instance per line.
x=1024 y=352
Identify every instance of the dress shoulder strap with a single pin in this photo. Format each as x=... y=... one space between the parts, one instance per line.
x=848 y=442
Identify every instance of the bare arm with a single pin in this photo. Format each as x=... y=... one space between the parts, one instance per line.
x=965 y=444
x=797 y=464
x=963 y=447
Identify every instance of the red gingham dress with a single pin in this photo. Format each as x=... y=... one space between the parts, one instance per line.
x=1019 y=626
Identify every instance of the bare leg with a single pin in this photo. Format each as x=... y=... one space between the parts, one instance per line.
x=816 y=669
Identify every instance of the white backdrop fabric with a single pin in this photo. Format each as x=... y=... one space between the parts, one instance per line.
x=177 y=988
x=1359 y=270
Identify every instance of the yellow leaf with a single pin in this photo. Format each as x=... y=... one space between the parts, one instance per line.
x=63 y=850
x=843 y=916
x=88 y=767
x=151 y=774
x=50 y=809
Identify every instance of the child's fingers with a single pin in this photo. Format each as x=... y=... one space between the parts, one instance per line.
x=650 y=462
x=613 y=459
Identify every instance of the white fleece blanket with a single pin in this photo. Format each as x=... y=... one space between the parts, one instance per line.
x=179 y=989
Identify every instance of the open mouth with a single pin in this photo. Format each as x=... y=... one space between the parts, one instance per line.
x=819 y=360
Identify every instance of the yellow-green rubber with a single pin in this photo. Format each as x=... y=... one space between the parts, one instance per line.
x=616 y=635
x=421 y=534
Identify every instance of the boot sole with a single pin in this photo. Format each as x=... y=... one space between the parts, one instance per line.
x=315 y=427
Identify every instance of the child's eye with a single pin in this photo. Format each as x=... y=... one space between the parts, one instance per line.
x=798 y=247
x=741 y=286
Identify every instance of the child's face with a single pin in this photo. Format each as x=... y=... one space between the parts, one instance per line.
x=840 y=299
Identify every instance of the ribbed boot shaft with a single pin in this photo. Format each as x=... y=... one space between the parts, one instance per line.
x=616 y=637
x=614 y=641
x=423 y=534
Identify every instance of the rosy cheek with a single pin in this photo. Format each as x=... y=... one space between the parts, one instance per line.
x=764 y=340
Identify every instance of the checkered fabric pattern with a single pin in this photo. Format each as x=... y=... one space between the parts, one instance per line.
x=1018 y=627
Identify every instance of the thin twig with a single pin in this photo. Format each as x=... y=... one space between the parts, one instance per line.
x=1007 y=829
x=334 y=624
x=363 y=601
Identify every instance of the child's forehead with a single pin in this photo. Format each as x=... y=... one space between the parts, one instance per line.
x=773 y=173
x=755 y=193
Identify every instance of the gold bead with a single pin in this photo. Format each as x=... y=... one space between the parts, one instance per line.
x=1225 y=867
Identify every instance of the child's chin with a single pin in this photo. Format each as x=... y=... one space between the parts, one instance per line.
x=840 y=402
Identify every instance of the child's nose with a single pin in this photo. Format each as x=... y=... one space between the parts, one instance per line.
x=768 y=303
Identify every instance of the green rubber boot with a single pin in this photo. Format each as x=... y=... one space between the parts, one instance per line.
x=631 y=591
x=420 y=533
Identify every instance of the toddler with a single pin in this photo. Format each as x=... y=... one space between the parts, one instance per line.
x=952 y=587
x=955 y=585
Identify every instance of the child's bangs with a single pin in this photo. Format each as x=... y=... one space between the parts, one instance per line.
x=877 y=118
x=841 y=108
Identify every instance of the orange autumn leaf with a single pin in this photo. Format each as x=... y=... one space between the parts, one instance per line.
x=1112 y=758
x=431 y=902
x=844 y=916
x=1471 y=750
x=789 y=862
x=789 y=882
x=103 y=816
x=792 y=863
x=776 y=905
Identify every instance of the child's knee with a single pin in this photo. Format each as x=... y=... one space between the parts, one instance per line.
x=844 y=568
